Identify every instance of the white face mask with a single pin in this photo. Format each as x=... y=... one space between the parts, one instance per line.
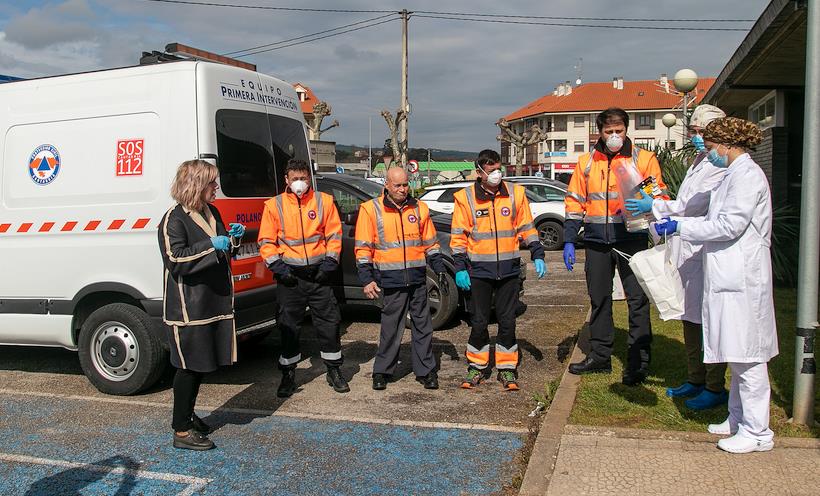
x=614 y=142
x=299 y=187
x=494 y=177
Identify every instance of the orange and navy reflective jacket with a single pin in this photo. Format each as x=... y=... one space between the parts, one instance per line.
x=300 y=231
x=487 y=230
x=592 y=196
x=396 y=241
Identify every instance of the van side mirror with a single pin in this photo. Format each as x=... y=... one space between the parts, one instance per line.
x=350 y=218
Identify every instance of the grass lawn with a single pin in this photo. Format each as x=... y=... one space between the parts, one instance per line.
x=603 y=400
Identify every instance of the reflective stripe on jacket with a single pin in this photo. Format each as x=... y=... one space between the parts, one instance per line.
x=487 y=230
x=593 y=198
x=393 y=243
x=300 y=231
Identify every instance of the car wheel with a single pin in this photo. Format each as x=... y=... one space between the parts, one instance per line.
x=119 y=353
x=551 y=235
x=443 y=305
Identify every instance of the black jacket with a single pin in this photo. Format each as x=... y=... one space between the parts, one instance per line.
x=198 y=282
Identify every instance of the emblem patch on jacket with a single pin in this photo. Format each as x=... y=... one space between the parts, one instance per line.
x=505 y=212
x=482 y=213
x=311 y=214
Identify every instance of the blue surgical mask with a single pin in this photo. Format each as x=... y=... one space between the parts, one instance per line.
x=718 y=160
x=697 y=142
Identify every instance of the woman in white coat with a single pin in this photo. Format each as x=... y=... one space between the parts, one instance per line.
x=705 y=383
x=738 y=305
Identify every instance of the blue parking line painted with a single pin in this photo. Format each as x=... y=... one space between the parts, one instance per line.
x=256 y=454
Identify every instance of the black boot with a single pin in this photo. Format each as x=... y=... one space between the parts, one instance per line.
x=336 y=381
x=590 y=366
x=288 y=385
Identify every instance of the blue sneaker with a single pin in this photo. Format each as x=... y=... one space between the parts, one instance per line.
x=685 y=390
x=706 y=400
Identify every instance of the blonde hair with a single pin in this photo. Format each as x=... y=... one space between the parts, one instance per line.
x=193 y=176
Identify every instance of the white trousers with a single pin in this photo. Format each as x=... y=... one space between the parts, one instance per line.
x=749 y=397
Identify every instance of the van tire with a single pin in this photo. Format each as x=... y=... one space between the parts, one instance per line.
x=119 y=352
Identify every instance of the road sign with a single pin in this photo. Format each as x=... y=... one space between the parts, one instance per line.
x=340 y=169
x=413 y=166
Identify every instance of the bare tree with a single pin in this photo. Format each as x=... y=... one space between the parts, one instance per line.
x=521 y=141
x=399 y=147
x=320 y=111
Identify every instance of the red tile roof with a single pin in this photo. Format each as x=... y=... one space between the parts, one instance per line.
x=595 y=97
x=310 y=99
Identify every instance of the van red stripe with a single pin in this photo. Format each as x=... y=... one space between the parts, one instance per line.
x=24 y=227
x=69 y=226
x=116 y=224
x=4 y=227
x=92 y=225
x=46 y=227
x=140 y=223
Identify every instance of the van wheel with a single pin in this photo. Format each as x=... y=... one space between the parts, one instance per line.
x=118 y=351
x=443 y=306
x=551 y=235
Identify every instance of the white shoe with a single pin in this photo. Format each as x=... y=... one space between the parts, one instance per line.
x=723 y=429
x=742 y=444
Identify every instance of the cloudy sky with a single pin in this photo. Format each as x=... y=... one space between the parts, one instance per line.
x=463 y=75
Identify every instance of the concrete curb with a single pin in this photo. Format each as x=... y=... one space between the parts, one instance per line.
x=545 y=450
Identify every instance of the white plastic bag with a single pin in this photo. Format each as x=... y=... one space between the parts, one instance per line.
x=659 y=278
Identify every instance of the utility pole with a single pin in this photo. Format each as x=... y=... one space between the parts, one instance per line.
x=369 y=146
x=405 y=105
x=429 y=181
x=807 y=265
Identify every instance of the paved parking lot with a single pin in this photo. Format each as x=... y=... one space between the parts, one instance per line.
x=60 y=436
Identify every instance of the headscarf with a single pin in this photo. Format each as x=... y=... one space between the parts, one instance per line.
x=732 y=131
x=704 y=114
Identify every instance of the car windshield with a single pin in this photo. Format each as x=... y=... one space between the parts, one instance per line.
x=370 y=188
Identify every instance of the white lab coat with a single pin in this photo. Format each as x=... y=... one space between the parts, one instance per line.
x=692 y=201
x=738 y=304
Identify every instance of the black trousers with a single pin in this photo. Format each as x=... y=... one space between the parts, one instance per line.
x=601 y=261
x=396 y=303
x=325 y=314
x=186 y=389
x=504 y=294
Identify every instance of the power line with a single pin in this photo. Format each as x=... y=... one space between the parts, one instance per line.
x=597 y=26
x=264 y=7
x=319 y=38
x=559 y=18
x=307 y=35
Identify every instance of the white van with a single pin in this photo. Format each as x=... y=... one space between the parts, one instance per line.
x=86 y=164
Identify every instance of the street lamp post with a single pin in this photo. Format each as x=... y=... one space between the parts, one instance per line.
x=429 y=181
x=685 y=81
x=669 y=120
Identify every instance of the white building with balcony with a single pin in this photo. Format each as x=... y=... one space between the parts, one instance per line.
x=568 y=116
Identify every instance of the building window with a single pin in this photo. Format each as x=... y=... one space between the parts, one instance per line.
x=763 y=114
x=671 y=145
x=530 y=123
x=578 y=121
x=560 y=145
x=593 y=127
x=559 y=123
x=579 y=147
x=645 y=143
x=645 y=121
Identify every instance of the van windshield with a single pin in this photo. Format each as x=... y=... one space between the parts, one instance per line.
x=253 y=149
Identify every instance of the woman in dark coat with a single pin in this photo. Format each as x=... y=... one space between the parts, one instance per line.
x=198 y=294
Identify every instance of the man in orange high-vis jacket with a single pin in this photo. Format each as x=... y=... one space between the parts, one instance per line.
x=395 y=240
x=300 y=239
x=593 y=200
x=490 y=219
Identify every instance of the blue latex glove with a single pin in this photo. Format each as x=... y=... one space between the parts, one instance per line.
x=540 y=268
x=221 y=243
x=463 y=280
x=237 y=230
x=667 y=227
x=569 y=255
x=641 y=206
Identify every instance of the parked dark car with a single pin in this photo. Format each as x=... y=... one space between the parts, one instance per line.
x=348 y=193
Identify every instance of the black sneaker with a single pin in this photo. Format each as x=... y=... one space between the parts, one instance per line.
x=288 y=385
x=430 y=381
x=379 y=382
x=336 y=381
x=193 y=440
x=590 y=366
x=634 y=377
x=200 y=425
